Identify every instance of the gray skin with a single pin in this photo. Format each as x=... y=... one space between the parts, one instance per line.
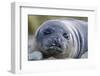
x=61 y=39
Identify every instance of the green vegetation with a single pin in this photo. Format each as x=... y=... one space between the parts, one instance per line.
x=34 y=21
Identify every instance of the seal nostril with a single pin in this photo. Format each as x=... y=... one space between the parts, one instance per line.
x=59 y=46
x=56 y=44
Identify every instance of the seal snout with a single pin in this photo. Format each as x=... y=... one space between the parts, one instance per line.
x=55 y=46
x=55 y=42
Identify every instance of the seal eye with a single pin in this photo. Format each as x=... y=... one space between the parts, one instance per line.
x=47 y=31
x=66 y=35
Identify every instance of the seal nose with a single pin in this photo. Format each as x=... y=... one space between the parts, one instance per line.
x=56 y=42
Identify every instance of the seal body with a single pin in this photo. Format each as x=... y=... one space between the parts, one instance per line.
x=62 y=38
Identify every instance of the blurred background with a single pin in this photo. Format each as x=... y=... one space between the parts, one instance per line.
x=34 y=21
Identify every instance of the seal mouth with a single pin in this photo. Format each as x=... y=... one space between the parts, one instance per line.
x=54 y=50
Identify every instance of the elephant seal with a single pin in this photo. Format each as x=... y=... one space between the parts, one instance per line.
x=62 y=38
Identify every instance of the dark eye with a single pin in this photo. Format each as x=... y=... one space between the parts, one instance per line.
x=66 y=35
x=47 y=31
